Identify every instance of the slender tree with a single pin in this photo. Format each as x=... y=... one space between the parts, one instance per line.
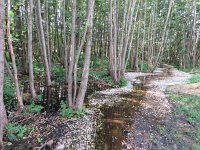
x=86 y=66
x=3 y=116
x=43 y=43
x=18 y=92
x=30 y=48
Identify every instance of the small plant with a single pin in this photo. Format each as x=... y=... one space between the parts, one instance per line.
x=145 y=67
x=80 y=112
x=65 y=111
x=15 y=131
x=9 y=93
x=102 y=75
x=33 y=108
x=123 y=82
x=38 y=69
x=194 y=79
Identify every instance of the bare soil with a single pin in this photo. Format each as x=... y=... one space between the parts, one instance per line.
x=191 y=89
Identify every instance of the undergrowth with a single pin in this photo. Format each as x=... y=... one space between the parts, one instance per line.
x=33 y=108
x=68 y=112
x=9 y=94
x=194 y=79
x=16 y=131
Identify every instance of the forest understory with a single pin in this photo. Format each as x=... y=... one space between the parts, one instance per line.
x=145 y=114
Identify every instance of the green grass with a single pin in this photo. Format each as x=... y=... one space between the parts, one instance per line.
x=183 y=127
x=194 y=79
x=187 y=105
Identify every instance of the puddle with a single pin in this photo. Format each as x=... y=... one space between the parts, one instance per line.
x=117 y=119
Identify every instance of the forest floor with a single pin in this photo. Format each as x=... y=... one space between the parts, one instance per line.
x=144 y=115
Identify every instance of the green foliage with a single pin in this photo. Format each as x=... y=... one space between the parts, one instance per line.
x=33 y=108
x=194 y=79
x=162 y=129
x=57 y=70
x=38 y=69
x=9 y=93
x=186 y=109
x=188 y=105
x=11 y=14
x=196 y=147
x=100 y=63
x=145 y=67
x=102 y=75
x=109 y=80
x=65 y=111
x=123 y=82
x=15 y=131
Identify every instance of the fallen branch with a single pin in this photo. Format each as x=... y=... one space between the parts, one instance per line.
x=44 y=146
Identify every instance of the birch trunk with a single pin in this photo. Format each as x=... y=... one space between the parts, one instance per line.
x=18 y=93
x=30 y=49
x=84 y=79
x=3 y=116
x=43 y=43
x=71 y=57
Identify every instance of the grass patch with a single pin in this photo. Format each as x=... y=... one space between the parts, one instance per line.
x=186 y=109
x=194 y=79
x=187 y=105
x=182 y=129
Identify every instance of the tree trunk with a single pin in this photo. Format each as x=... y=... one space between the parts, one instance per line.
x=30 y=49
x=3 y=116
x=18 y=93
x=84 y=79
x=43 y=43
x=72 y=49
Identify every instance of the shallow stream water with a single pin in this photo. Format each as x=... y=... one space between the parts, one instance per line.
x=122 y=117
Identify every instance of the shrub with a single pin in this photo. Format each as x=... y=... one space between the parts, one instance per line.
x=58 y=70
x=15 y=131
x=33 y=108
x=38 y=69
x=145 y=67
x=100 y=63
x=9 y=93
x=65 y=111
x=123 y=82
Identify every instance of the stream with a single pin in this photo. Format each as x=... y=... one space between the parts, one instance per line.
x=126 y=122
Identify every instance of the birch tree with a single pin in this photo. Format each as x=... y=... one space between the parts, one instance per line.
x=3 y=116
x=15 y=74
x=30 y=48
